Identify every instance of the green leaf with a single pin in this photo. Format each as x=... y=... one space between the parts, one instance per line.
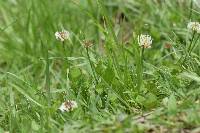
x=35 y=126
x=109 y=75
x=151 y=100
x=75 y=73
x=23 y=92
x=140 y=99
x=99 y=68
x=191 y=76
x=172 y=107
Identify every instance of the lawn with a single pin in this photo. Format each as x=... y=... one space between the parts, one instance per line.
x=102 y=66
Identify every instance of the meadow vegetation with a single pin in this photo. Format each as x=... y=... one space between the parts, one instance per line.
x=111 y=80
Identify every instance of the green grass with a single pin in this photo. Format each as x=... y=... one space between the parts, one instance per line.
x=116 y=89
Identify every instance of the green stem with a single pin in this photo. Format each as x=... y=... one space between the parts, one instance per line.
x=116 y=64
x=12 y=111
x=63 y=44
x=189 y=48
x=194 y=44
x=71 y=48
x=140 y=74
x=67 y=53
x=142 y=56
x=91 y=65
x=142 y=61
x=48 y=90
x=48 y=79
x=193 y=35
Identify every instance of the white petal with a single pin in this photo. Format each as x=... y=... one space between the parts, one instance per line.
x=57 y=35
x=62 y=108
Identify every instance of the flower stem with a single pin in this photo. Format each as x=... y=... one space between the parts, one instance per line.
x=142 y=55
x=48 y=89
x=193 y=35
x=142 y=60
x=140 y=70
x=63 y=44
x=192 y=47
x=91 y=65
x=189 y=48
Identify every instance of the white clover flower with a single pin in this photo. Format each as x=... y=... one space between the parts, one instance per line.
x=62 y=36
x=195 y=26
x=68 y=105
x=145 y=41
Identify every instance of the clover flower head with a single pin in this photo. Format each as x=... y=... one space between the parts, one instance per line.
x=62 y=36
x=68 y=105
x=87 y=43
x=145 y=41
x=194 y=26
